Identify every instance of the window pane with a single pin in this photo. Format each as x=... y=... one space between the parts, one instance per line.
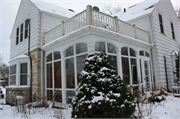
x=49 y=57
x=13 y=80
x=141 y=70
x=80 y=64
x=81 y=47
x=21 y=36
x=113 y=60
x=70 y=95
x=23 y=79
x=70 y=80
x=147 y=54
x=124 y=51
x=111 y=48
x=24 y=68
x=13 y=69
x=125 y=70
x=69 y=51
x=57 y=74
x=100 y=46
x=17 y=36
x=58 y=95
x=57 y=55
x=132 y=52
x=49 y=94
x=134 y=71
x=49 y=75
x=141 y=53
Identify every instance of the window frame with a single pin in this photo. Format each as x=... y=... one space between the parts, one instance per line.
x=161 y=23
x=17 y=36
x=26 y=28
x=14 y=74
x=21 y=32
x=172 y=30
x=23 y=73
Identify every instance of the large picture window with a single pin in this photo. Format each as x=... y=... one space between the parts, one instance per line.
x=12 y=75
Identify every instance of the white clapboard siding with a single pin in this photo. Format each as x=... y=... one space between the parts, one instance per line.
x=26 y=10
x=50 y=22
x=164 y=44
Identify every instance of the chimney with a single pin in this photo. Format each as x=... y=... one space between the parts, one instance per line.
x=124 y=10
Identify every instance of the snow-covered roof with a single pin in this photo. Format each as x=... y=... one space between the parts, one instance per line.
x=137 y=10
x=48 y=7
x=19 y=57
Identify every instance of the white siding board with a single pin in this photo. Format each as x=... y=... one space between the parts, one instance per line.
x=26 y=10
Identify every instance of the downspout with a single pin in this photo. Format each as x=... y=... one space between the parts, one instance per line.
x=30 y=92
x=42 y=55
x=166 y=74
x=152 y=51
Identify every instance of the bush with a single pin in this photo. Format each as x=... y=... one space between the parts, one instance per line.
x=101 y=92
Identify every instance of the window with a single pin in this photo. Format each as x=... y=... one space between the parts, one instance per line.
x=21 y=34
x=172 y=30
x=26 y=28
x=12 y=75
x=23 y=74
x=17 y=35
x=110 y=50
x=129 y=66
x=161 y=23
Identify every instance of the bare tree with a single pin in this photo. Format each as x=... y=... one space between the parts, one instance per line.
x=4 y=69
x=108 y=9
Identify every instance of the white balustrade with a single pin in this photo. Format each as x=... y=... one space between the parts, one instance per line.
x=98 y=19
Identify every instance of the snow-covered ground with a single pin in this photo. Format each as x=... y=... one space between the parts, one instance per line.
x=168 y=109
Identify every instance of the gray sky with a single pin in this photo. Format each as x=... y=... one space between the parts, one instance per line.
x=9 y=8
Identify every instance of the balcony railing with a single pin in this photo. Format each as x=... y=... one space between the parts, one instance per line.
x=98 y=19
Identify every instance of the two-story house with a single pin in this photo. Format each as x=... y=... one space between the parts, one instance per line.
x=60 y=39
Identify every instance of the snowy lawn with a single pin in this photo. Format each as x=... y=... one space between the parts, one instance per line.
x=168 y=109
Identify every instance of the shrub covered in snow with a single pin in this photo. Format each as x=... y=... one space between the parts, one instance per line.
x=101 y=92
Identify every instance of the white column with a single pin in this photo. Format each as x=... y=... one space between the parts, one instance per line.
x=89 y=15
x=63 y=77
x=138 y=68
x=119 y=62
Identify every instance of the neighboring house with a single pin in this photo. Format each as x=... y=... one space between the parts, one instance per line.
x=60 y=40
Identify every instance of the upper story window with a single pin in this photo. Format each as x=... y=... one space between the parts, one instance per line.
x=161 y=23
x=22 y=32
x=17 y=35
x=172 y=30
x=26 y=28
x=21 y=36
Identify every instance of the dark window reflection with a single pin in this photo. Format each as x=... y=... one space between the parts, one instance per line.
x=69 y=96
x=124 y=51
x=49 y=57
x=70 y=80
x=125 y=68
x=134 y=71
x=57 y=55
x=58 y=95
x=100 y=46
x=113 y=60
x=111 y=48
x=132 y=52
x=81 y=47
x=49 y=75
x=141 y=53
x=57 y=74
x=69 y=51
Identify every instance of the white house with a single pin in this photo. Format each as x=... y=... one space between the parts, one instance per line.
x=60 y=40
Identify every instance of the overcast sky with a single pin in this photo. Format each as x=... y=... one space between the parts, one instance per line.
x=9 y=8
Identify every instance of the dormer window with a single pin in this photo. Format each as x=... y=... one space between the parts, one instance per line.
x=161 y=24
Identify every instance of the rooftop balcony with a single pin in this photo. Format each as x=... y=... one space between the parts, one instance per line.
x=97 y=19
